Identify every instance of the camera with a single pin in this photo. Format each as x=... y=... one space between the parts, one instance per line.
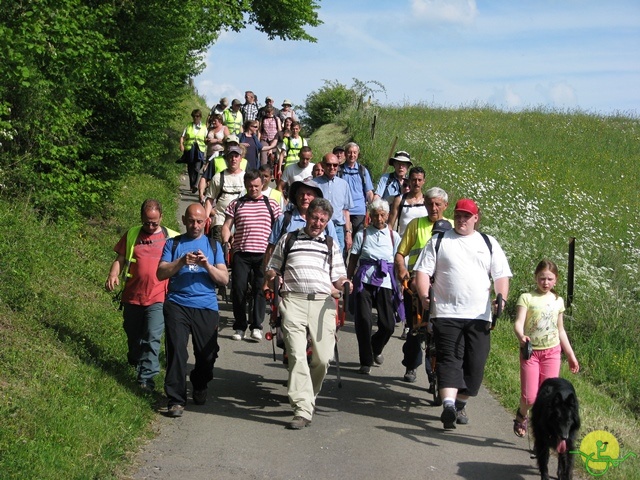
x=195 y=253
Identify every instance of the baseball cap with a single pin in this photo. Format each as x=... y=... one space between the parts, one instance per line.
x=224 y=101
x=467 y=205
x=268 y=99
x=339 y=148
x=234 y=149
x=441 y=225
x=236 y=102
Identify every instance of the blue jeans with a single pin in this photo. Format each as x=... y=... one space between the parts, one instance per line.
x=144 y=326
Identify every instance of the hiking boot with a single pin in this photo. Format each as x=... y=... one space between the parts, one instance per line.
x=239 y=335
x=256 y=334
x=378 y=359
x=449 y=417
x=364 y=370
x=200 y=397
x=462 y=418
x=175 y=411
x=405 y=332
x=410 y=375
x=145 y=388
x=298 y=423
x=432 y=387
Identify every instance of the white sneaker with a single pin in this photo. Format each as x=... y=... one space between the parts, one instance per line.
x=239 y=335
x=256 y=334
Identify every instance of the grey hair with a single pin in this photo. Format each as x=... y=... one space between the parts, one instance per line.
x=351 y=145
x=321 y=204
x=437 y=192
x=379 y=204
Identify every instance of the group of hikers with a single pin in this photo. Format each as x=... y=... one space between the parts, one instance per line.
x=317 y=234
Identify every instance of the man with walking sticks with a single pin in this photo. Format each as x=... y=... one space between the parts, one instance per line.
x=309 y=264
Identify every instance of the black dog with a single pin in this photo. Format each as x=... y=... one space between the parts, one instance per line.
x=555 y=421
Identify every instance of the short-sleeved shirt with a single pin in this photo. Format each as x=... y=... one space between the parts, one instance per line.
x=389 y=187
x=338 y=193
x=143 y=287
x=462 y=280
x=253 y=223
x=192 y=286
x=378 y=245
x=541 y=321
x=308 y=268
x=352 y=176
x=232 y=188
x=296 y=223
x=294 y=172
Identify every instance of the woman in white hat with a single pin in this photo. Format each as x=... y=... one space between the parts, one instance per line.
x=390 y=184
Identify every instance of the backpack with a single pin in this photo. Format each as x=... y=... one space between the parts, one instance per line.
x=291 y=239
x=245 y=199
x=361 y=170
x=484 y=237
x=402 y=202
x=176 y=240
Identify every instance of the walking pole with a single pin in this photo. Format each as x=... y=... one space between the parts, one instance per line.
x=339 y=324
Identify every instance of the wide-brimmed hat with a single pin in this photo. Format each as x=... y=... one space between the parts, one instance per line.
x=287 y=102
x=232 y=138
x=466 y=205
x=401 y=156
x=295 y=186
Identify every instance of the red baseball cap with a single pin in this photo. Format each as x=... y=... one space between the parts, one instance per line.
x=467 y=205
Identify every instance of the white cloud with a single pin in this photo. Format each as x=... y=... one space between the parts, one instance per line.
x=505 y=97
x=559 y=94
x=447 y=11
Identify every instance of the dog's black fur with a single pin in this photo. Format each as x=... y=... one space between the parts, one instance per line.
x=555 y=420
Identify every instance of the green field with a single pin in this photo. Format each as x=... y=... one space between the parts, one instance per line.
x=541 y=178
x=68 y=402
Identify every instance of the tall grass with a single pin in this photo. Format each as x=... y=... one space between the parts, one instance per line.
x=540 y=178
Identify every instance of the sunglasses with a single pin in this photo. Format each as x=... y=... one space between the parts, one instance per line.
x=150 y=224
x=331 y=165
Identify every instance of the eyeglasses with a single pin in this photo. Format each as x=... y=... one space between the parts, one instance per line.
x=150 y=224
x=331 y=165
x=254 y=126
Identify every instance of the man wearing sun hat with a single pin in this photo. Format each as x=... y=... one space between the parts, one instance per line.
x=390 y=184
x=460 y=265
x=287 y=111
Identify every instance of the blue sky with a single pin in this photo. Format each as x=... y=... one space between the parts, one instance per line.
x=511 y=54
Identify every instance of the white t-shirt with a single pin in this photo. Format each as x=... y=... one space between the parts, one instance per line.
x=461 y=287
x=232 y=189
x=294 y=173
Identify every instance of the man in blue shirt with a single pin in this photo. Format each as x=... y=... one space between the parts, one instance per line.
x=391 y=184
x=337 y=191
x=194 y=267
x=360 y=184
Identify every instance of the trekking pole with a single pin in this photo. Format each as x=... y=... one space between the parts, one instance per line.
x=494 y=318
x=274 y=320
x=339 y=324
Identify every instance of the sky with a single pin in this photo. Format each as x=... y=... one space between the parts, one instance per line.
x=510 y=54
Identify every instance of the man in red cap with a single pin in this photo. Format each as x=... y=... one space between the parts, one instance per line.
x=467 y=261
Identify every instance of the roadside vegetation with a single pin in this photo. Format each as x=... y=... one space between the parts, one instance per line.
x=541 y=178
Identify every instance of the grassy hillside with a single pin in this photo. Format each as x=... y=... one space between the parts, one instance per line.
x=541 y=178
x=69 y=401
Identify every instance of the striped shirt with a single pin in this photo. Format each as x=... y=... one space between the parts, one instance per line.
x=308 y=269
x=253 y=223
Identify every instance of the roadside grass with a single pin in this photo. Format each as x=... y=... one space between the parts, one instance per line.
x=68 y=398
x=325 y=138
x=541 y=178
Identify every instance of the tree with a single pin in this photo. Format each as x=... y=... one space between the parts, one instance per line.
x=88 y=86
x=322 y=105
